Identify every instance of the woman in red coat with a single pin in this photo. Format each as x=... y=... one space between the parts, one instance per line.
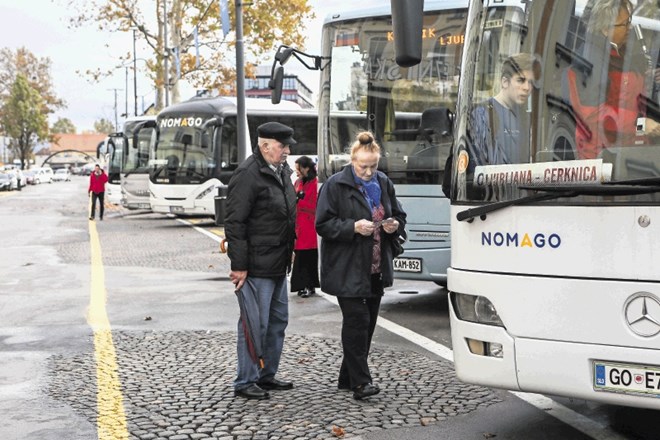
x=305 y=274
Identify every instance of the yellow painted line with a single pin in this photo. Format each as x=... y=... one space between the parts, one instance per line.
x=111 y=420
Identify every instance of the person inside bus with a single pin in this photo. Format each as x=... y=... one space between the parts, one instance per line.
x=305 y=272
x=608 y=100
x=359 y=219
x=496 y=123
x=260 y=231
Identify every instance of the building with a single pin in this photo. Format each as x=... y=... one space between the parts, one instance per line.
x=293 y=89
x=83 y=142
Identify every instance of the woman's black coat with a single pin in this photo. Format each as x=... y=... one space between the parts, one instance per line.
x=345 y=255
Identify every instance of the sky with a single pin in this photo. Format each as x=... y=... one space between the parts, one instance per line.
x=41 y=27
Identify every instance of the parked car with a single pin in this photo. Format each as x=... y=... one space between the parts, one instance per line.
x=45 y=175
x=29 y=176
x=8 y=182
x=87 y=169
x=62 y=175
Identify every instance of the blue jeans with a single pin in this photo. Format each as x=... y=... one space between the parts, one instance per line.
x=274 y=314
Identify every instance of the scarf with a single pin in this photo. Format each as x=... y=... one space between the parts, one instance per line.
x=370 y=189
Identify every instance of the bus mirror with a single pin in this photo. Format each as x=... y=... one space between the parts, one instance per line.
x=213 y=122
x=275 y=85
x=407 y=18
x=284 y=55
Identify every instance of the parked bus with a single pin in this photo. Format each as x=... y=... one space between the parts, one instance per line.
x=361 y=87
x=112 y=152
x=197 y=149
x=136 y=142
x=554 y=280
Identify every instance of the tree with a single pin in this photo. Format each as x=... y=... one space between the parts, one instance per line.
x=35 y=70
x=24 y=117
x=267 y=24
x=104 y=126
x=63 y=126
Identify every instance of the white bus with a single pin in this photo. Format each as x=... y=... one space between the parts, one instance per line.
x=197 y=149
x=111 y=152
x=136 y=145
x=554 y=280
x=361 y=87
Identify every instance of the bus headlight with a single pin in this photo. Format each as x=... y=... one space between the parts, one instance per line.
x=477 y=309
x=205 y=192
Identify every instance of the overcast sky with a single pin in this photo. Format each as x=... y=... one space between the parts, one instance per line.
x=41 y=27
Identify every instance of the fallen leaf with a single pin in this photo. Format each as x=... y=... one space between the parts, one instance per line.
x=489 y=435
x=426 y=420
x=338 y=431
x=147 y=318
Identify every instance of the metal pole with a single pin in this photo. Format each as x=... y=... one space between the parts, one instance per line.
x=126 y=93
x=240 y=82
x=134 y=76
x=167 y=56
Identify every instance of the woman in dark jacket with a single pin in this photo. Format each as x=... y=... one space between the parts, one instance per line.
x=358 y=218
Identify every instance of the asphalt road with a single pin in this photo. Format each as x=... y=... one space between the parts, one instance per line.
x=126 y=329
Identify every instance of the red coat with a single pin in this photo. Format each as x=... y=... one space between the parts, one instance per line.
x=609 y=123
x=306 y=215
x=97 y=183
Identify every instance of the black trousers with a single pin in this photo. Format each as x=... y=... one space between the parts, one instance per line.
x=359 y=316
x=96 y=196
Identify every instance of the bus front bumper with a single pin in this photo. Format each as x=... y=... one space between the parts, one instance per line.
x=542 y=366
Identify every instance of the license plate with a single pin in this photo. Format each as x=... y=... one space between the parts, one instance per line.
x=148 y=206
x=175 y=209
x=407 y=264
x=627 y=378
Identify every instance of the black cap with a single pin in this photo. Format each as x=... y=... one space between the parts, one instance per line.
x=277 y=131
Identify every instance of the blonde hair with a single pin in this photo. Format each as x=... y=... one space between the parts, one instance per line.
x=364 y=141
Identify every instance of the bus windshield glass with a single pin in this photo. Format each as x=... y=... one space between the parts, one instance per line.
x=115 y=156
x=401 y=106
x=136 y=157
x=560 y=96
x=184 y=153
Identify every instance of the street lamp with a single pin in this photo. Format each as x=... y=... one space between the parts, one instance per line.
x=134 y=76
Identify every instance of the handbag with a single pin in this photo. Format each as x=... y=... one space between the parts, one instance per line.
x=397 y=243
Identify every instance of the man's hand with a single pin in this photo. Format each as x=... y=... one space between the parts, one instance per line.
x=390 y=225
x=364 y=227
x=238 y=278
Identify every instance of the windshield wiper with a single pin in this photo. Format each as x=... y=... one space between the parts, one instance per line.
x=550 y=192
x=641 y=181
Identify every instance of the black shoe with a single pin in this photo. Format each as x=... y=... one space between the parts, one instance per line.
x=101 y=218
x=91 y=218
x=274 y=384
x=252 y=392
x=306 y=293
x=301 y=292
x=365 y=390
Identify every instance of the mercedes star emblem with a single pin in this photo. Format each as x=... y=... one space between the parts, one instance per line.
x=642 y=314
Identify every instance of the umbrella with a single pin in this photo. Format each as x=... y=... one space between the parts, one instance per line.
x=247 y=301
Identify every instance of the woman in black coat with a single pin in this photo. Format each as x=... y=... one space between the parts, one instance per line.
x=358 y=218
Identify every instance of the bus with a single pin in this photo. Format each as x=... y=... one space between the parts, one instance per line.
x=197 y=149
x=113 y=157
x=136 y=141
x=409 y=110
x=554 y=281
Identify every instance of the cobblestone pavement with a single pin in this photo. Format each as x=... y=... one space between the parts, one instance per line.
x=177 y=385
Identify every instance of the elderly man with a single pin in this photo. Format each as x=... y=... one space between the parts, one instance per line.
x=260 y=231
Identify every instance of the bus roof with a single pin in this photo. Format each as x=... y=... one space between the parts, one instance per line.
x=225 y=104
x=385 y=10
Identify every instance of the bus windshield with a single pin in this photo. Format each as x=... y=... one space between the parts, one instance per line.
x=560 y=96
x=185 y=151
x=401 y=106
x=136 y=157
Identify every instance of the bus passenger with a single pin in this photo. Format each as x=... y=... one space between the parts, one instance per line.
x=358 y=218
x=260 y=230
x=496 y=126
x=305 y=272
x=609 y=103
